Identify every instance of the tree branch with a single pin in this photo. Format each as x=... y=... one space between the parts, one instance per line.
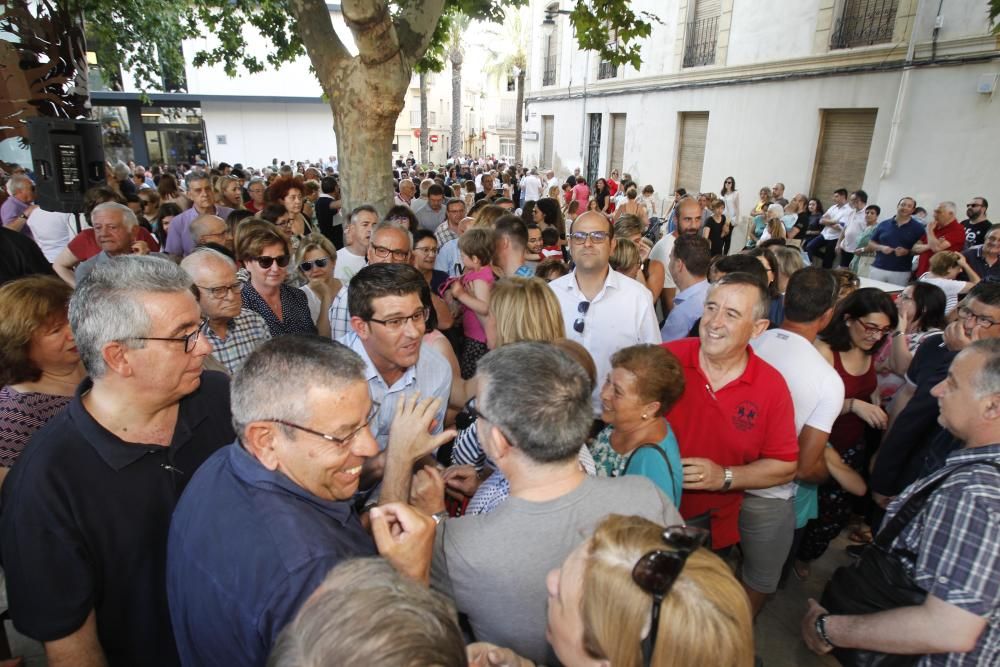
x=415 y=26
x=326 y=51
x=373 y=30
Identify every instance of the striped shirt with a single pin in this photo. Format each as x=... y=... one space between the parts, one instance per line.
x=246 y=331
x=952 y=547
x=21 y=414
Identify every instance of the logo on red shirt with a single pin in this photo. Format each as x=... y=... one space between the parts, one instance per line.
x=746 y=415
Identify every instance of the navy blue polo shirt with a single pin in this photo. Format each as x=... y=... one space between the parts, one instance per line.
x=84 y=521
x=247 y=547
x=895 y=235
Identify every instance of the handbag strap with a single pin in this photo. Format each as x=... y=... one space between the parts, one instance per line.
x=663 y=455
x=915 y=503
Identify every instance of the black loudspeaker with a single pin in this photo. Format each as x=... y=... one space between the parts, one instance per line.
x=68 y=159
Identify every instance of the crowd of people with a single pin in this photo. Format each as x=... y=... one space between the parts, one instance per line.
x=515 y=419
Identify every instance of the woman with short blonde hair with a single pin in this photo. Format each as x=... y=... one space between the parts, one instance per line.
x=523 y=309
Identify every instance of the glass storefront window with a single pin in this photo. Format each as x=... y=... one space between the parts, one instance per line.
x=115 y=133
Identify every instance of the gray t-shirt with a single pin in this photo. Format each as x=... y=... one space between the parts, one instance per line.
x=494 y=565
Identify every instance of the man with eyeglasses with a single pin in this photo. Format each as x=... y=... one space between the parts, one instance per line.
x=352 y=257
x=983 y=258
x=451 y=227
x=914 y=442
x=233 y=330
x=390 y=244
x=388 y=323
x=212 y=231
x=603 y=310
x=265 y=519
x=976 y=223
x=85 y=513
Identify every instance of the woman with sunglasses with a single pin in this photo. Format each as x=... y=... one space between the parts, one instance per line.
x=265 y=253
x=860 y=323
x=638 y=594
x=731 y=196
x=316 y=259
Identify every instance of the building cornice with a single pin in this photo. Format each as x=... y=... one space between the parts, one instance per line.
x=182 y=99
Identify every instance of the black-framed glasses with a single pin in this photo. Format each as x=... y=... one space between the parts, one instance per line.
x=265 y=261
x=656 y=572
x=342 y=443
x=319 y=263
x=397 y=323
x=222 y=291
x=965 y=313
x=579 y=324
x=189 y=340
x=428 y=250
x=579 y=238
x=382 y=252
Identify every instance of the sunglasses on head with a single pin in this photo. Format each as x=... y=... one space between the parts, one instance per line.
x=656 y=572
x=265 y=261
x=320 y=263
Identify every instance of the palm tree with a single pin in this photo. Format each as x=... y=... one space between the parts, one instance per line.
x=513 y=59
x=456 y=55
x=424 y=146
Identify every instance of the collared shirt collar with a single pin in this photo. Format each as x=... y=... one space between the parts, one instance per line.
x=749 y=375
x=967 y=454
x=250 y=470
x=116 y=452
x=693 y=289
x=354 y=342
x=611 y=280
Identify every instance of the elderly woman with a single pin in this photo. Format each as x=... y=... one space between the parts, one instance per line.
x=39 y=365
x=290 y=191
x=316 y=259
x=638 y=594
x=644 y=383
x=265 y=254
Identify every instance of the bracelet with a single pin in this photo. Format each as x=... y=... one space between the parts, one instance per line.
x=727 y=479
x=821 y=629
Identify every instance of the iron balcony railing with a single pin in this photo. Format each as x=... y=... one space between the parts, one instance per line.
x=549 y=72
x=702 y=38
x=863 y=23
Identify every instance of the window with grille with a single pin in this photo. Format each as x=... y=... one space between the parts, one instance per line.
x=550 y=52
x=507 y=147
x=607 y=70
x=702 y=34
x=507 y=115
x=863 y=23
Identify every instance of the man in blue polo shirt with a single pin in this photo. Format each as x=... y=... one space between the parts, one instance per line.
x=892 y=244
x=266 y=518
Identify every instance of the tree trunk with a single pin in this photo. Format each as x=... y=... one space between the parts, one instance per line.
x=424 y=139
x=364 y=144
x=519 y=121
x=456 y=104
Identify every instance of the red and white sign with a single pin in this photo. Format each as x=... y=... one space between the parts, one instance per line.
x=416 y=133
x=434 y=138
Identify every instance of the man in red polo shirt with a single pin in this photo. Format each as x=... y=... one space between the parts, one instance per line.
x=735 y=422
x=944 y=232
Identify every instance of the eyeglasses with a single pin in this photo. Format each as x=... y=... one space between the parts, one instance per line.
x=579 y=238
x=656 y=572
x=319 y=262
x=431 y=250
x=266 y=261
x=581 y=308
x=872 y=330
x=383 y=252
x=397 y=323
x=965 y=313
x=223 y=290
x=341 y=443
x=189 y=340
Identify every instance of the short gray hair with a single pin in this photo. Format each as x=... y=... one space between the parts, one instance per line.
x=120 y=170
x=539 y=397
x=269 y=383
x=202 y=256
x=16 y=183
x=949 y=205
x=392 y=224
x=987 y=380
x=366 y=613
x=128 y=215
x=108 y=304
x=199 y=227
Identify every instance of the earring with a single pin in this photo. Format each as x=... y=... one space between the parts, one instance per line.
x=644 y=417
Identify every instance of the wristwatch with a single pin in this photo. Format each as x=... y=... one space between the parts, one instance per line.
x=439 y=516
x=821 y=628
x=727 y=479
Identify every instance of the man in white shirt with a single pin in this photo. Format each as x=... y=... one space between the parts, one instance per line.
x=603 y=310
x=824 y=246
x=531 y=186
x=688 y=222
x=351 y=258
x=768 y=516
x=854 y=226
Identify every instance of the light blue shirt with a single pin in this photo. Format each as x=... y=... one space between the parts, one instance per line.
x=449 y=259
x=688 y=306
x=431 y=376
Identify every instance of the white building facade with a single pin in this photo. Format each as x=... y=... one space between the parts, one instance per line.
x=817 y=94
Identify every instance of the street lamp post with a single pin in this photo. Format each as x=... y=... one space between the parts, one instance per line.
x=549 y=22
